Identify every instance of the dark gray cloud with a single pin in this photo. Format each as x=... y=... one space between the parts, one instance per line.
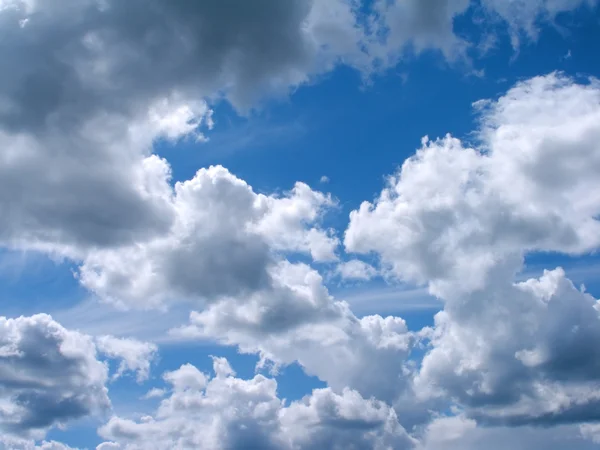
x=92 y=85
x=48 y=376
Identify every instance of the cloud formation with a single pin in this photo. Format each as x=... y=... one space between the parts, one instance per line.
x=48 y=376
x=461 y=220
x=225 y=412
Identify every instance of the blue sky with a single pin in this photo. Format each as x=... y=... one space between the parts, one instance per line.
x=95 y=234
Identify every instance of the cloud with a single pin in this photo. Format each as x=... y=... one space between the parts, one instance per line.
x=11 y=443
x=106 y=88
x=228 y=412
x=355 y=270
x=300 y=321
x=48 y=376
x=460 y=433
x=421 y=25
x=518 y=354
x=136 y=356
x=224 y=242
x=452 y=214
x=590 y=431
x=461 y=220
x=523 y=17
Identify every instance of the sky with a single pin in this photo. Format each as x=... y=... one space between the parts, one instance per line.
x=311 y=224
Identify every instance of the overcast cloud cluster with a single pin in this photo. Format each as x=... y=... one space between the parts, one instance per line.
x=94 y=84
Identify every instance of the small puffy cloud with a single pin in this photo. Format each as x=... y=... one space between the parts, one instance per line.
x=154 y=393
x=356 y=269
x=187 y=377
x=591 y=431
x=48 y=376
x=228 y=413
x=324 y=179
x=135 y=356
x=421 y=25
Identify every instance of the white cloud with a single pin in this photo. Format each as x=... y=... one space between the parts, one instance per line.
x=461 y=220
x=154 y=393
x=11 y=443
x=356 y=269
x=453 y=213
x=519 y=354
x=299 y=321
x=48 y=376
x=421 y=25
x=523 y=17
x=591 y=431
x=224 y=242
x=229 y=412
x=136 y=356
x=460 y=433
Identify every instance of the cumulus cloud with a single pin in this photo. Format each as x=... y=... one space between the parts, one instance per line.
x=460 y=433
x=519 y=354
x=10 y=443
x=453 y=214
x=135 y=356
x=224 y=242
x=48 y=376
x=93 y=85
x=356 y=269
x=462 y=219
x=300 y=321
x=229 y=412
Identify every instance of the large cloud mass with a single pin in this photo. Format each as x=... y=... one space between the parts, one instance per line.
x=225 y=412
x=461 y=220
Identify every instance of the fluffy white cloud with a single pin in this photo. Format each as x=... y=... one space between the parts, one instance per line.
x=10 y=443
x=136 y=356
x=48 y=376
x=355 y=269
x=522 y=353
x=453 y=214
x=461 y=220
x=223 y=243
x=299 y=321
x=229 y=412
